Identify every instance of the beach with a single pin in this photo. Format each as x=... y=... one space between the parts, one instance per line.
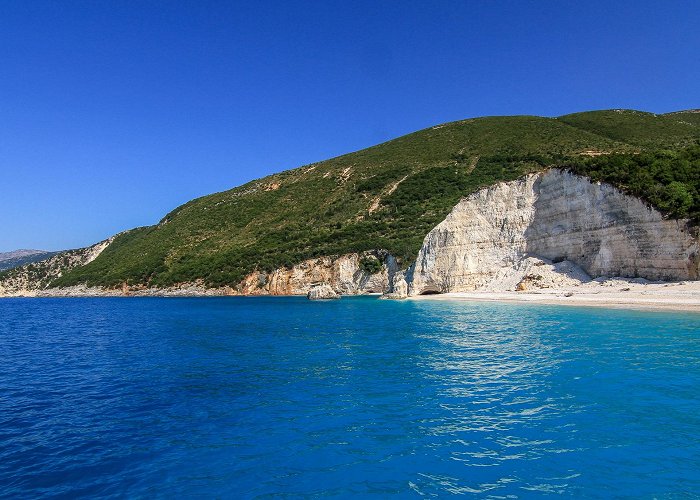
x=612 y=293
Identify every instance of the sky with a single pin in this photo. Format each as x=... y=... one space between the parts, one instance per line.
x=112 y=113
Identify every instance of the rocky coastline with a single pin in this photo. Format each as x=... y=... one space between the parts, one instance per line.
x=548 y=234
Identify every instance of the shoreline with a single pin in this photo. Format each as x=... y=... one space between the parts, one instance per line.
x=679 y=297
x=615 y=293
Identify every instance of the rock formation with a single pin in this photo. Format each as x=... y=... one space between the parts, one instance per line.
x=344 y=274
x=485 y=242
x=322 y=292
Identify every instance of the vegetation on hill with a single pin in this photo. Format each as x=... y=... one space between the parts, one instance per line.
x=390 y=195
x=691 y=116
x=668 y=180
x=637 y=127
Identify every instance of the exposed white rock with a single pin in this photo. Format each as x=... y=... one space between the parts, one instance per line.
x=535 y=273
x=483 y=237
x=399 y=287
x=609 y=233
x=322 y=292
x=485 y=242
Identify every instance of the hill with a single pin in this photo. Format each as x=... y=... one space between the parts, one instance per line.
x=637 y=127
x=391 y=195
x=17 y=258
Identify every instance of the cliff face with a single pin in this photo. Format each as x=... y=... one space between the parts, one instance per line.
x=485 y=241
x=608 y=233
x=344 y=274
x=480 y=240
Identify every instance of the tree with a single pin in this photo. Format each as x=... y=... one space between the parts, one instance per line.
x=678 y=199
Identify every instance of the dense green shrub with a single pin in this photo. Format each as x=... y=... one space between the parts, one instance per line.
x=370 y=265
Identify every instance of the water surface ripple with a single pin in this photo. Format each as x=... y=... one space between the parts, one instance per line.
x=261 y=397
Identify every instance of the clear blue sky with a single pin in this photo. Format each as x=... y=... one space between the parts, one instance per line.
x=113 y=113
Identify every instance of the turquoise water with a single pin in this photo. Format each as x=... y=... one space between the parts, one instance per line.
x=260 y=397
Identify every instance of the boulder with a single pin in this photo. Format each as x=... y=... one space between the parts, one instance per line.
x=322 y=292
x=399 y=289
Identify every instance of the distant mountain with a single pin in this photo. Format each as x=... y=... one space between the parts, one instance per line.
x=17 y=258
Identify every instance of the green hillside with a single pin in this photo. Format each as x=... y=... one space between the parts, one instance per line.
x=636 y=127
x=390 y=195
x=691 y=116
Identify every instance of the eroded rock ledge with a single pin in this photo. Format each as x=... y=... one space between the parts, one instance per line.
x=344 y=274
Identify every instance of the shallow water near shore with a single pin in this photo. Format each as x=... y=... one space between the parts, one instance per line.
x=256 y=397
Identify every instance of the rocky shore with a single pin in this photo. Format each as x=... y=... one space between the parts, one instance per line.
x=601 y=292
x=546 y=237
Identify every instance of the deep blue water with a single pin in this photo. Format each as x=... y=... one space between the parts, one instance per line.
x=261 y=397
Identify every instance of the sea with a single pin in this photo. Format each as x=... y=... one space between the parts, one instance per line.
x=281 y=397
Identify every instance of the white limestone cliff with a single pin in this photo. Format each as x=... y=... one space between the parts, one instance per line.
x=486 y=242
